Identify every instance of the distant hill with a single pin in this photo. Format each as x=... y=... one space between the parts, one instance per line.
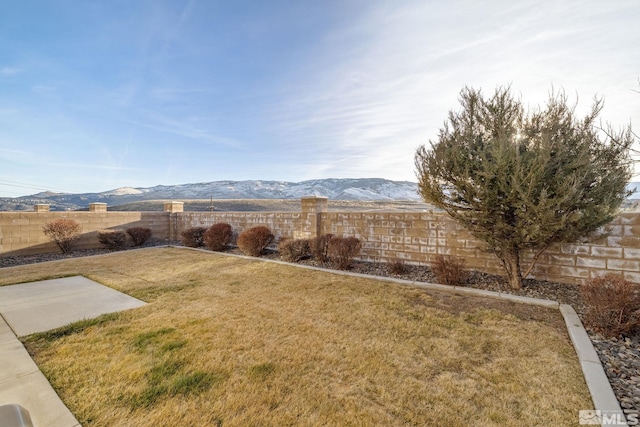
x=363 y=189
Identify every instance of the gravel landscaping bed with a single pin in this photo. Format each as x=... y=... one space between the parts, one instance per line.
x=620 y=357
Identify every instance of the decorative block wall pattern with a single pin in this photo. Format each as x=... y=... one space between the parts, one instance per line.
x=21 y=232
x=281 y=224
x=416 y=237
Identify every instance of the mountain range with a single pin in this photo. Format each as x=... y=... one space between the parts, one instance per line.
x=367 y=189
x=361 y=189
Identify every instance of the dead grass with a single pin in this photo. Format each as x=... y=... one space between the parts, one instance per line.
x=235 y=342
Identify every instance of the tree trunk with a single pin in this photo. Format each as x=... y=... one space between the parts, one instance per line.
x=511 y=264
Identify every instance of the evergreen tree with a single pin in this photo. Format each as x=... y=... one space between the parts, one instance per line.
x=523 y=181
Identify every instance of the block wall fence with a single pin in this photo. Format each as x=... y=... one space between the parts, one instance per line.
x=415 y=237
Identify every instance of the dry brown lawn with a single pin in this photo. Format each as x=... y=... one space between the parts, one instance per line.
x=235 y=342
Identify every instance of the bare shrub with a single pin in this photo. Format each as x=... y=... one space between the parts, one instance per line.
x=112 y=239
x=293 y=250
x=255 y=240
x=139 y=235
x=342 y=251
x=612 y=305
x=193 y=237
x=218 y=236
x=396 y=266
x=320 y=247
x=450 y=270
x=63 y=232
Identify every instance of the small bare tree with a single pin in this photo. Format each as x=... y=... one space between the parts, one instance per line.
x=63 y=232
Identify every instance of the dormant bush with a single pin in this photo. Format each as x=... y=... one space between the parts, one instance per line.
x=342 y=251
x=397 y=266
x=293 y=250
x=612 y=305
x=139 y=235
x=320 y=247
x=218 y=236
x=255 y=240
x=450 y=270
x=112 y=239
x=193 y=237
x=63 y=232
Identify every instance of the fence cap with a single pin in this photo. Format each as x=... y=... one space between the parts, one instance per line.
x=314 y=198
x=97 y=207
x=173 y=206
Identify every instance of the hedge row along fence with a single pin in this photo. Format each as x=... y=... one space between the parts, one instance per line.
x=411 y=237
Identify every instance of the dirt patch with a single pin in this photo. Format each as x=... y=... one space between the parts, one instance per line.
x=458 y=304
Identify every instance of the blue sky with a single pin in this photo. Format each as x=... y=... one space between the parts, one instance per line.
x=96 y=95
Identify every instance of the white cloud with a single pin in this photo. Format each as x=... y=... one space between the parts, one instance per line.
x=356 y=100
x=390 y=79
x=45 y=90
x=92 y=166
x=9 y=71
x=20 y=152
x=190 y=127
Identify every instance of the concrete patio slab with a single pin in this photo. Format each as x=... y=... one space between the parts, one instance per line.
x=49 y=304
x=15 y=364
x=38 y=307
x=21 y=382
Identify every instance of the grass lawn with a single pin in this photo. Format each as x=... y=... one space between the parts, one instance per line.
x=234 y=342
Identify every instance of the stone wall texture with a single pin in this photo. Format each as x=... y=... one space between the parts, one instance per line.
x=419 y=237
x=21 y=232
x=281 y=224
x=415 y=237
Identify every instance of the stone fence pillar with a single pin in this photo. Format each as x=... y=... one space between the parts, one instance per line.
x=174 y=207
x=97 y=207
x=41 y=207
x=312 y=209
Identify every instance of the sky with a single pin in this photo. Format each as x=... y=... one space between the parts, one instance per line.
x=96 y=95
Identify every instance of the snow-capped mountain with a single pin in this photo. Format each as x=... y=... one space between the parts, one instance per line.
x=363 y=189
x=124 y=191
x=336 y=189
